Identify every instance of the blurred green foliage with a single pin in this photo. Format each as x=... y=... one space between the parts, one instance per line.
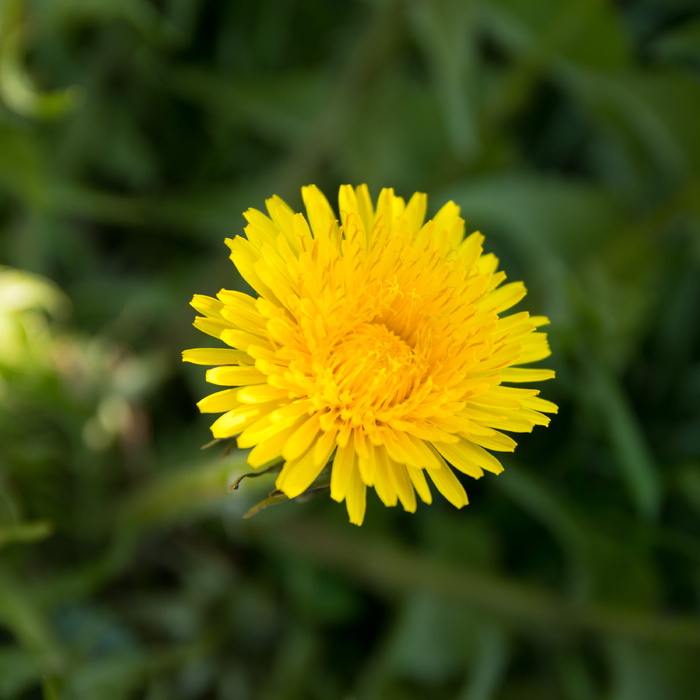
x=133 y=133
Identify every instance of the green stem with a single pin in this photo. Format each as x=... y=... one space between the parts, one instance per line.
x=385 y=567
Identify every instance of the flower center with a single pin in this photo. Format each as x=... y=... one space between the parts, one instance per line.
x=373 y=367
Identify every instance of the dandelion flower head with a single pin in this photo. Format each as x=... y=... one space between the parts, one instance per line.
x=377 y=346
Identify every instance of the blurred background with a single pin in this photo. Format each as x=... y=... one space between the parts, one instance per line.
x=133 y=134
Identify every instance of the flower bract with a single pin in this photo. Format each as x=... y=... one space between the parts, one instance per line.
x=377 y=345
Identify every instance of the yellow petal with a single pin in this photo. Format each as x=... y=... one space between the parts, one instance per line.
x=539 y=404
x=233 y=422
x=449 y=224
x=271 y=448
x=260 y=228
x=234 y=376
x=383 y=483
x=323 y=448
x=471 y=248
x=302 y=439
x=260 y=393
x=415 y=211
x=356 y=498
x=491 y=439
x=273 y=419
x=343 y=468
x=207 y=305
x=506 y=296
x=225 y=400
x=211 y=326
x=244 y=256
x=534 y=348
x=518 y=374
x=243 y=340
x=366 y=459
x=213 y=356
x=403 y=486
x=241 y=309
x=318 y=210
x=297 y=475
x=420 y=483
x=469 y=458
x=448 y=485
x=356 y=210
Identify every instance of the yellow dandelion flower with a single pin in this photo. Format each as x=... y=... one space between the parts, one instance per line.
x=376 y=341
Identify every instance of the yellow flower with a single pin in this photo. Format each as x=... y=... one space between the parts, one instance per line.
x=377 y=341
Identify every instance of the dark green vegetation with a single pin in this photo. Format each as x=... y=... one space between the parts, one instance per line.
x=133 y=133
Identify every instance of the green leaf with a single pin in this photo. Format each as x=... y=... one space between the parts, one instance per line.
x=588 y=33
x=17 y=88
x=650 y=115
x=552 y=510
x=626 y=439
x=679 y=43
x=25 y=532
x=186 y=491
x=534 y=211
x=446 y=33
x=649 y=672
x=18 y=671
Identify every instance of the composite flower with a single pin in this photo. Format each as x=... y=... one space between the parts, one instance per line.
x=377 y=346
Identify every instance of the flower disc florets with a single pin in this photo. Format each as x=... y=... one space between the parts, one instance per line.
x=377 y=341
